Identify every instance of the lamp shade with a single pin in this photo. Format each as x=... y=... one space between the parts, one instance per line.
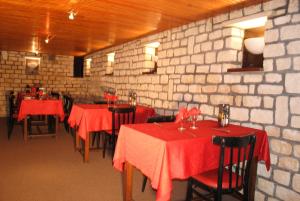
x=255 y=45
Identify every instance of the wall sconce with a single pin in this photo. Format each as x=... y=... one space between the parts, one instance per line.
x=255 y=45
x=72 y=15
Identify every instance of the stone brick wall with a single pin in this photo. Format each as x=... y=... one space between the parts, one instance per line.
x=55 y=73
x=192 y=70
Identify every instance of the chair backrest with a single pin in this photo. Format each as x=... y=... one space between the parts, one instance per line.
x=55 y=94
x=11 y=103
x=238 y=163
x=120 y=116
x=161 y=118
x=68 y=103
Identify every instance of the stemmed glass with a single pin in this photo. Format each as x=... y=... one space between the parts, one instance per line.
x=194 y=119
x=182 y=119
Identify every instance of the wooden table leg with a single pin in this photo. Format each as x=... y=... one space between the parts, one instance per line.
x=56 y=126
x=25 y=132
x=77 y=139
x=127 y=182
x=252 y=179
x=86 y=147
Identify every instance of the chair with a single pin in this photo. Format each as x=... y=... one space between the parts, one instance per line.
x=157 y=119
x=12 y=113
x=55 y=94
x=233 y=172
x=120 y=116
x=68 y=103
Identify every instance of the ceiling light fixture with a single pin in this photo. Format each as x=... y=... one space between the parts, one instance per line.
x=48 y=38
x=72 y=15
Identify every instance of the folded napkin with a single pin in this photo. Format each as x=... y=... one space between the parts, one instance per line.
x=194 y=112
x=110 y=97
x=182 y=114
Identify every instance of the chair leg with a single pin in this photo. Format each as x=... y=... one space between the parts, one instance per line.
x=144 y=183
x=189 y=192
x=104 y=145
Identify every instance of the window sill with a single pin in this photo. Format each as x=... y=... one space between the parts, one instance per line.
x=154 y=71
x=245 y=69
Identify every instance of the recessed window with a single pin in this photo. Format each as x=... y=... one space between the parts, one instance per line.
x=151 y=58
x=110 y=63
x=254 y=43
x=88 y=65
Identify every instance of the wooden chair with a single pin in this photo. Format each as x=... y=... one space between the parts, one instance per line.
x=68 y=103
x=233 y=172
x=120 y=116
x=12 y=111
x=55 y=94
x=157 y=119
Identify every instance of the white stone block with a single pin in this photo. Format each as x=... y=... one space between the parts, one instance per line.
x=290 y=32
x=227 y=56
x=252 y=101
x=281 y=112
x=282 y=20
x=283 y=63
x=266 y=186
x=240 y=89
x=206 y=46
x=293 y=6
x=218 y=44
x=292 y=82
x=197 y=59
x=273 y=131
x=291 y=134
x=295 y=122
x=234 y=43
x=201 y=38
x=253 y=78
x=231 y=79
x=215 y=35
x=296 y=182
x=286 y=194
x=293 y=47
x=221 y=99
x=214 y=78
x=210 y=57
x=274 y=50
x=261 y=116
x=187 y=79
x=200 y=79
x=209 y=88
x=271 y=35
x=282 y=177
x=288 y=163
x=281 y=147
x=239 y=114
x=294 y=105
x=200 y=98
x=270 y=89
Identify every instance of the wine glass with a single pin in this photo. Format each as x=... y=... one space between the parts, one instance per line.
x=182 y=128
x=194 y=119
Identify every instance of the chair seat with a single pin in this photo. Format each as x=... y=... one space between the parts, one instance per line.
x=210 y=178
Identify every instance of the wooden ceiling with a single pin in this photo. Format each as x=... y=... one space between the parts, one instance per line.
x=25 y=24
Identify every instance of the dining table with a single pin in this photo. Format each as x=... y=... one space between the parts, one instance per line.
x=89 y=118
x=163 y=152
x=44 y=107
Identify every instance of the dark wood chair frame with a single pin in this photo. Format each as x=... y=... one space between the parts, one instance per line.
x=240 y=169
x=120 y=116
x=157 y=119
x=12 y=108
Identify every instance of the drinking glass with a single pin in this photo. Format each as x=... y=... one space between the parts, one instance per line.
x=194 y=119
x=181 y=128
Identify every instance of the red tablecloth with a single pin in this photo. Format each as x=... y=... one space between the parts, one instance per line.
x=93 y=117
x=41 y=107
x=163 y=153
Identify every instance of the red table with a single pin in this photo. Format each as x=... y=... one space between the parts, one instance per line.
x=40 y=107
x=92 y=117
x=163 y=153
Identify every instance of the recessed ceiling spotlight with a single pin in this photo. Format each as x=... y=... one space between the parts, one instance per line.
x=47 y=40
x=72 y=15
